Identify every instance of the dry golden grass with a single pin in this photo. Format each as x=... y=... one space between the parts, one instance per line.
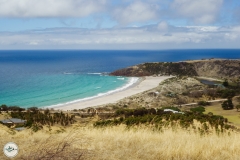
x=45 y=144
x=119 y=142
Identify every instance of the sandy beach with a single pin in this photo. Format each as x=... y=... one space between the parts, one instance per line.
x=143 y=85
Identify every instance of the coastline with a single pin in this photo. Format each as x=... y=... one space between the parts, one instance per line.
x=143 y=84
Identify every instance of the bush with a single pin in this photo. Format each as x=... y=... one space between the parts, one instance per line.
x=170 y=119
x=4 y=107
x=140 y=112
x=225 y=83
x=227 y=93
x=227 y=105
x=199 y=109
x=120 y=112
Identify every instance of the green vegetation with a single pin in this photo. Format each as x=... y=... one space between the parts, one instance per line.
x=232 y=115
x=227 y=105
x=225 y=83
x=169 y=68
x=199 y=109
x=37 y=118
x=161 y=119
x=225 y=93
x=11 y=108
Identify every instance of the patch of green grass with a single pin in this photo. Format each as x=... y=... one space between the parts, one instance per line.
x=232 y=115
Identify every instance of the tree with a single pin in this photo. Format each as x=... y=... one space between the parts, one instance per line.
x=225 y=93
x=4 y=107
x=225 y=83
x=227 y=105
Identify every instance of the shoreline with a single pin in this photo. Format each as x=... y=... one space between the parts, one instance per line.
x=143 y=84
x=136 y=80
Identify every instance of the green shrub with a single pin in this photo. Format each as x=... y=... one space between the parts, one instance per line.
x=225 y=93
x=227 y=105
x=166 y=119
x=199 y=109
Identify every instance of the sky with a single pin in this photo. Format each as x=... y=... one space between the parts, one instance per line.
x=119 y=24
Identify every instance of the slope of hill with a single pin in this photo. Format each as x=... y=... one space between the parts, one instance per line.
x=120 y=142
x=216 y=68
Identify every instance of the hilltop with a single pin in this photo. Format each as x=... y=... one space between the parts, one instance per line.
x=214 y=68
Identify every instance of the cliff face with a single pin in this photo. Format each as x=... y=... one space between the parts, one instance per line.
x=221 y=69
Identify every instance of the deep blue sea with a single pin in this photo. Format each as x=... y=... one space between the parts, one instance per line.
x=53 y=77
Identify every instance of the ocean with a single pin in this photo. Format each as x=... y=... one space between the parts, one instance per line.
x=43 y=78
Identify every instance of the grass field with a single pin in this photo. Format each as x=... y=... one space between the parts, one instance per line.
x=119 y=142
x=232 y=115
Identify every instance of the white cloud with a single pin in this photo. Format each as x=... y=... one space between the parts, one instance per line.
x=200 y=11
x=50 y=8
x=136 y=12
x=203 y=28
x=163 y=26
x=236 y=29
x=148 y=37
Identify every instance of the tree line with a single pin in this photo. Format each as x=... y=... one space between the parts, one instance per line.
x=159 y=119
x=36 y=118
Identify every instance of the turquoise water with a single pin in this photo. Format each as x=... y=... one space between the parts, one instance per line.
x=57 y=89
x=48 y=78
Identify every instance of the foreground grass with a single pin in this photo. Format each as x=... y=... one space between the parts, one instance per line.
x=119 y=142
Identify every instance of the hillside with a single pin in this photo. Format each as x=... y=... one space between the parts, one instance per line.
x=170 y=92
x=216 y=68
x=120 y=142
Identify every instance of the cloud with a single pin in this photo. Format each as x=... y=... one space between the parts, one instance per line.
x=163 y=26
x=123 y=13
x=200 y=11
x=136 y=12
x=147 y=37
x=50 y=8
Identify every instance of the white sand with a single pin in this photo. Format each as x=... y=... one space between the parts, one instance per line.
x=144 y=85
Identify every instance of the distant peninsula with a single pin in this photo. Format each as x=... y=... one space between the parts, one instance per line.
x=214 y=68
